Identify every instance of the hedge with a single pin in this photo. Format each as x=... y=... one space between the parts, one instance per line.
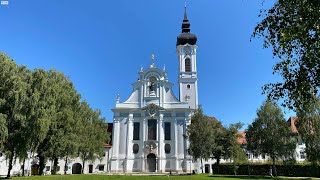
x=296 y=170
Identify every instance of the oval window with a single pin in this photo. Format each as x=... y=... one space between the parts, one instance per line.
x=167 y=148
x=135 y=148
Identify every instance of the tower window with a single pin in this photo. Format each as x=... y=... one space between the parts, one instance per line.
x=188 y=86
x=187 y=65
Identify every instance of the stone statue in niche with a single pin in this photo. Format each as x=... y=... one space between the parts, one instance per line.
x=152 y=86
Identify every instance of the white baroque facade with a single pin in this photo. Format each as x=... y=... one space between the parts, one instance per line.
x=149 y=128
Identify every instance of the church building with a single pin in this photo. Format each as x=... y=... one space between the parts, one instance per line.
x=149 y=128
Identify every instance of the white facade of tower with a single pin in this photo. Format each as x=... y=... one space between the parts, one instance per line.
x=188 y=77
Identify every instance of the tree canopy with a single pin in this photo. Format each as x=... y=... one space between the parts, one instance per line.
x=40 y=113
x=292 y=30
x=210 y=139
x=308 y=125
x=270 y=134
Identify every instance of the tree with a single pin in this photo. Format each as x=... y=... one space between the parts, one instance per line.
x=220 y=147
x=4 y=76
x=12 y=109
x=308 y=125
x=40 y=112
x=270 y=134
x=292 y=30
x=93 y=134
x=201 y=136
x=234 y=151
x=62 y=134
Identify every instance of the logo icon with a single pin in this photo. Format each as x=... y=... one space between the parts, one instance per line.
x=4 y=2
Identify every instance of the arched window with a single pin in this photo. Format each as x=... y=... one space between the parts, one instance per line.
x=188 y=86
x=187 y=65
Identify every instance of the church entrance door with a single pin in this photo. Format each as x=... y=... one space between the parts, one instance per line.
x=151 y=159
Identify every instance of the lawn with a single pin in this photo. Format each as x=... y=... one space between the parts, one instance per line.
x=135 y=177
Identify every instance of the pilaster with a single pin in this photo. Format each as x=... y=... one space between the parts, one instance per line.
x=175 y=143
x=161 y=146
x=129 y=136
x=115 y=149
x=143 y=139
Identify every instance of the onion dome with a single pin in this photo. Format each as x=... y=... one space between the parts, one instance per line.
x=186 y=37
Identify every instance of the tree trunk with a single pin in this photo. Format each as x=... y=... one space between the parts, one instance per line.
x=65 y=165
x=201 y=166
x=22 y=167
x=274 y=167
x=82 y=167
x=41 y=164
x=218 y=165
x=10 y=164
x=55 y=164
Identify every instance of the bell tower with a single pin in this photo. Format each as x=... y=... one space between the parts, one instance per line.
x=186 y=49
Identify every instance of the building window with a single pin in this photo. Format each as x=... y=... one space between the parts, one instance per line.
x=187 y=65
x=167 y=148
x=167 y=131
x=135 y=148
x=302 y=155
x=101 y=167
x=188 y=86
x=47 y=168
x=152 y=129
x=136 y=131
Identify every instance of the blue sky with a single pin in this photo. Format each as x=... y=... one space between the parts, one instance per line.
x=101 y=44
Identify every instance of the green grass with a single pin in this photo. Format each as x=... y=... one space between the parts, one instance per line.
x=128 y=177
